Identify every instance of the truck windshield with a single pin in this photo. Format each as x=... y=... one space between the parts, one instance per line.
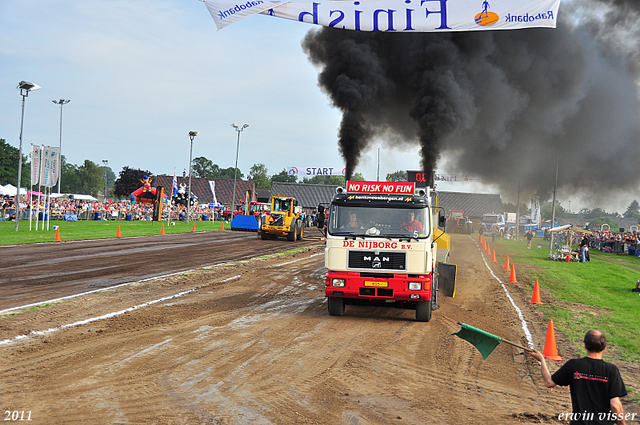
x=490 y=218
x=379 y=222
x=281 y=204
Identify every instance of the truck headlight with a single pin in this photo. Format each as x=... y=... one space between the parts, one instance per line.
x=415 y=286
x=337 y=282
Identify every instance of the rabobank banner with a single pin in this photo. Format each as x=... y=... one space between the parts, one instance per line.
x=315 y=171
x=397 y=15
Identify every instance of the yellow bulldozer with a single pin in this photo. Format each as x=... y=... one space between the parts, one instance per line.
x=284 y=219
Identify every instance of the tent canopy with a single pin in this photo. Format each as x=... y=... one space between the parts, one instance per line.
x=79 y=197
x=569 y=228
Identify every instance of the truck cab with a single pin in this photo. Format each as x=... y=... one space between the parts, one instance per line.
x=380 y=248
x=491 y=221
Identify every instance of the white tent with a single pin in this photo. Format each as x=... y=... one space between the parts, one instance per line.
x=75 y=196
x=11 y=190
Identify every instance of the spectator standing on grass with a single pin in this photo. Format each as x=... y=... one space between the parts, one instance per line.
x=595 y=385
x=529 y=236
x=583 y=249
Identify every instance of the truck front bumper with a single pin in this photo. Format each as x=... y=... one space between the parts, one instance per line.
x=391 y=287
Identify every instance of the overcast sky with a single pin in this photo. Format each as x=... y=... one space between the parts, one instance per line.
x=142 y=74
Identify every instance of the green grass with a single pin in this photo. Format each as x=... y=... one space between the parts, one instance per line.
x=596 y=294
x=77 y=230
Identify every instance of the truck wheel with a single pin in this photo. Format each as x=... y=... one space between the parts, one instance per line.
x=263 y=235
x=336 y=306
x=423 y=311
x=301 y=232
x=293 y=235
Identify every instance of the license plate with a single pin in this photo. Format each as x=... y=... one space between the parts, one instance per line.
x=377 y=284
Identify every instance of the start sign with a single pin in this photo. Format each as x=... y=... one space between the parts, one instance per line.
x=394 y=188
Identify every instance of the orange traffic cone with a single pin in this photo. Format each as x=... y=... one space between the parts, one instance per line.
x=568 y=258
x=550 y=348
x=535 y=299
x=118 y=234
x=512 y=278
x=57 y=239
x=488 y=250
x=493 y=257
x=506 y=264
x=222 y=226
x=484 y=245
x=162 y=229
x=194 y=226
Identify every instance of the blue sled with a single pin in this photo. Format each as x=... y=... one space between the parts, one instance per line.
x=244 y=222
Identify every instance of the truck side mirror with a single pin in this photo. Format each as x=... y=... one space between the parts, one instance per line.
x=442 y=220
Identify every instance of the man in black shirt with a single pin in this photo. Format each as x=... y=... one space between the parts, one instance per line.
x=596 y=386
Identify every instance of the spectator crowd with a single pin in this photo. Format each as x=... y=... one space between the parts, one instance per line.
x=106 y=210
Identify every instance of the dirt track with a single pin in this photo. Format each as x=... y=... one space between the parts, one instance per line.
x=253 y=343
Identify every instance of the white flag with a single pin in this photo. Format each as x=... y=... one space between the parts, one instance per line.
x=44 y=166
x=396 y=16
x=54 y=169
x=35 y=164
x=212 y=185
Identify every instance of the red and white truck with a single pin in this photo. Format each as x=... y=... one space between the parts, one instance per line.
x=384 y=248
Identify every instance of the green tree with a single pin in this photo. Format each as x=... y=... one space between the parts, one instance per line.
x=546 y=210
x=633 y=210
x=358 y=177
x=228 y=173
x=9 y=166
x=128 y=182
x=90 y=178
x=204 y=167
x=258 y=173
x=330 y=180
x=70 y=177
x=398 y=176
x=597 y=212
x=284 y=177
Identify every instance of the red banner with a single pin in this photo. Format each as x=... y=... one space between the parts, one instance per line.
x=395 y=188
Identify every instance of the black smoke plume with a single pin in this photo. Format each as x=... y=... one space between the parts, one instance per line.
x=501 y=105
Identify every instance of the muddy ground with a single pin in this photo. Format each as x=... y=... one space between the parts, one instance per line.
x=251 y=342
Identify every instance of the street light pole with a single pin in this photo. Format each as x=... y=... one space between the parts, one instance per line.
x=25 y=87
x=60 y=102
x=192 y=135
x=553 y=209
x=104 y=195
x=235 y=171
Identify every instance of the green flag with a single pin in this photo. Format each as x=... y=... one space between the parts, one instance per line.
x=483 y=341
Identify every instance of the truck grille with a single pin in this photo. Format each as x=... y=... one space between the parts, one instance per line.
x=382 y=261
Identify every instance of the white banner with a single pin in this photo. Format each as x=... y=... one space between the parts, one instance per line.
x=212 y=185
x=54 y=169
x=315 y=171
x=45 y=163
x=454 y=178
x=535 y=210
x=35 y=164
x=397 y=16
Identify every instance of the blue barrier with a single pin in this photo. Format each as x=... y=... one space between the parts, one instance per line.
x=244 y=222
